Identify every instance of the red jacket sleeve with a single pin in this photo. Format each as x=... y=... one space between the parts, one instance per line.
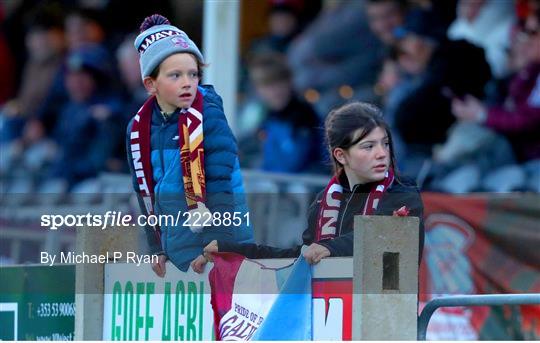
x=523 y=118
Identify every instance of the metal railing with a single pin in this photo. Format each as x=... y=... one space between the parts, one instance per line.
x=471 y=300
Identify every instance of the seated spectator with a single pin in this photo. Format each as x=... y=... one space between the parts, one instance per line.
x=439 y=69
x=24 y=161
x=289 y=135
x=487 y=24
x=392 y=86
x=283 y=23
x=84 y=26
x=283 y=26
x=336 y=57
x=26 y=150
x=133 y=95
x=518 y=118
x=42 y=73
x=384 y=16
x=88 y=128
x=130 y=73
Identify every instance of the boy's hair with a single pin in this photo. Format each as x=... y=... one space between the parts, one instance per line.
x=269 y=68
x=158 y=40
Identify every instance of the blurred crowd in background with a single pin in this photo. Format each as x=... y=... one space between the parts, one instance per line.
x=458 y=82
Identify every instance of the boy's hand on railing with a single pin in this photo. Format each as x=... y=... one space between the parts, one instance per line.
x=159 y=267
x=198 y=264
x=209 y=249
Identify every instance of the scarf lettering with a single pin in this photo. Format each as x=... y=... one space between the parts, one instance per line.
x=331 y=202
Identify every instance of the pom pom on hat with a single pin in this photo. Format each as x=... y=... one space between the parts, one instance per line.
x=158 y=40
x=153 y=20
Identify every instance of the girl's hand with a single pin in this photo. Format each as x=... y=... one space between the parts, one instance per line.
x=315 y=252
x=403 y=211
x=199 y=263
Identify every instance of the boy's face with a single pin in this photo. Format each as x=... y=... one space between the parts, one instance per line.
x=176 y=84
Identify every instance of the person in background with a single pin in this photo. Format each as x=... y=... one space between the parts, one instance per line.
x=283 y=24
x=85 y=26
x=41 y=88
x=26 y=120
x=133 y=95
x=89 y=123
x=336 y=58
x=439 y=70
x=384 y=16
x=130 y=73
x=518 y=117
x=291 y=126
x=488 y=24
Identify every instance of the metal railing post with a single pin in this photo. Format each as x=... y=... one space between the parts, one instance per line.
x=471 y=300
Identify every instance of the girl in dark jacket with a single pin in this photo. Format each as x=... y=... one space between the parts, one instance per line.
x=365 y=183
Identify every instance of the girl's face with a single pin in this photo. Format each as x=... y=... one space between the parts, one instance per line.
x=368 y=160
x=176 y=83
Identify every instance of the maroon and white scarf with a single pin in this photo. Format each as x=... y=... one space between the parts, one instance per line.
x=331 y=203
x=191 y=150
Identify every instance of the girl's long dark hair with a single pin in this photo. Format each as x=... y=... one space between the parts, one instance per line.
x=343 y=123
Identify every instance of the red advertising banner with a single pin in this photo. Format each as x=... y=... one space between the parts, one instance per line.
x=481 y=244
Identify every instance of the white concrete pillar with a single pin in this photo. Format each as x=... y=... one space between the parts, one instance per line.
x=385 y=284
x=89 y=279
x=221 y=21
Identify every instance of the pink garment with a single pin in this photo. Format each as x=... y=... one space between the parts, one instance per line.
x=519 y=117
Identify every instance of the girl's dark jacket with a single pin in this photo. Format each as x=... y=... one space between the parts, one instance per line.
x=401 y=193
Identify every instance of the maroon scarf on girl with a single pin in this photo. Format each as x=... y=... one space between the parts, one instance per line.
x=331 y=202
